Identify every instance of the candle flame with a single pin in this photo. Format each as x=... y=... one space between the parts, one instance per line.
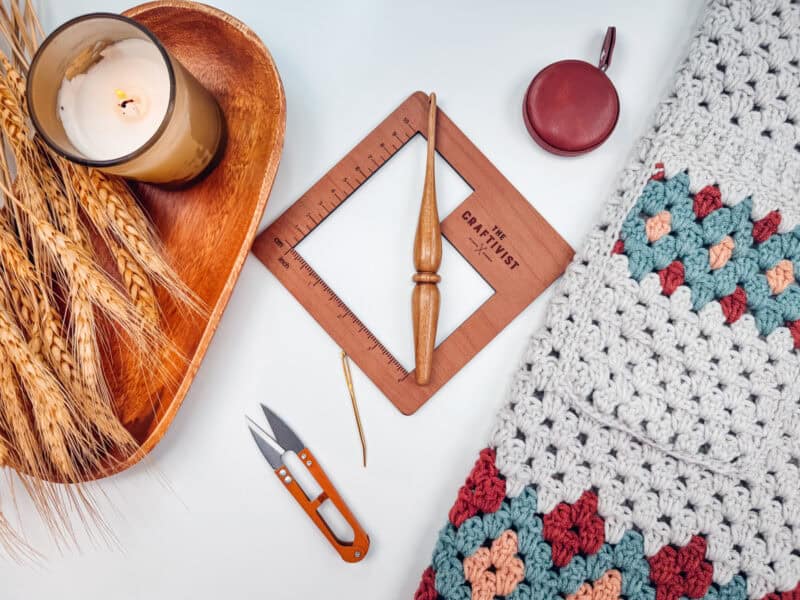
x=120 y=94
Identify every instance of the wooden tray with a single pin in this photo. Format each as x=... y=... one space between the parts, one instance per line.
x=207 y=229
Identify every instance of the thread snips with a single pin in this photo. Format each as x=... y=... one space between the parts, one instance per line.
x=299 y=472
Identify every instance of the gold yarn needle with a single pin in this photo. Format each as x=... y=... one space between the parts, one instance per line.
x=348 y=378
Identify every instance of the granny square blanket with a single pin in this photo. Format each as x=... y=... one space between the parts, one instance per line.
x=650 y=448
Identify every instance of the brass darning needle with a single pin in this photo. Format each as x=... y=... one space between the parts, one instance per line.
x=348 y=378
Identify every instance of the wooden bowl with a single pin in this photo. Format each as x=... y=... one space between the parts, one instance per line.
x=208 y=228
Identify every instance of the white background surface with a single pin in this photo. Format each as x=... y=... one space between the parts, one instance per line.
x=205 y=518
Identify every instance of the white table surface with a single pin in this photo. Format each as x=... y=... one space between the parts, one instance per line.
x=205 y=518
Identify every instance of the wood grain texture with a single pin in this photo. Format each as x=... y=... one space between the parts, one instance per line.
x=495 y=229
x=425 y=299
x=207 y=229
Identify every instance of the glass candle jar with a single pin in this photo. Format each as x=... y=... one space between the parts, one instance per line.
x=103 y=92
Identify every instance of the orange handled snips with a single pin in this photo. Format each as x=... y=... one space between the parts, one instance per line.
x=310 y=486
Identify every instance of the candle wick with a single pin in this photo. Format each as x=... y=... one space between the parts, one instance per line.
x=125 y=102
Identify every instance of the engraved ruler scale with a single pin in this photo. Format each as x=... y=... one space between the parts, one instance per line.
x=495 y=229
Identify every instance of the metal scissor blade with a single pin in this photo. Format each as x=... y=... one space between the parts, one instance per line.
x=271 y=450
x=283 y=433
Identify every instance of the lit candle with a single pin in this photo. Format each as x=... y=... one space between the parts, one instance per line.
x=118 y=103
x=104 y=92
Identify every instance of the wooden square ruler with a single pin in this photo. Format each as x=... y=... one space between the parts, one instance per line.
x=495 y=229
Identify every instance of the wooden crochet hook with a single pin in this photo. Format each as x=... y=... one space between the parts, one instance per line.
x=427 y=259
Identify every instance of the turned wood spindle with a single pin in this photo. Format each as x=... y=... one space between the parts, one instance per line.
x=427 y=258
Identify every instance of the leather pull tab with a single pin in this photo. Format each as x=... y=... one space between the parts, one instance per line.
x=608 y=48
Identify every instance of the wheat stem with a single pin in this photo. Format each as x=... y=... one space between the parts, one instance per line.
x=53 y=421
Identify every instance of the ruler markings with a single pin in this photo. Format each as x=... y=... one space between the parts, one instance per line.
x=321 y=287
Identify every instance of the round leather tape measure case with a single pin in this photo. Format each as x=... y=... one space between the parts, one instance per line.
x=571 y=106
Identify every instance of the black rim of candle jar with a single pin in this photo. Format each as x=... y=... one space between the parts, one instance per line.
x=78 y=158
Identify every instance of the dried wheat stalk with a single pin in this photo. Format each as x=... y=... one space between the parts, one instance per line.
x=57 y=417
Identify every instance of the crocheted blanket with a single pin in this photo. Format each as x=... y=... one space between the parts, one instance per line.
x=651 y=445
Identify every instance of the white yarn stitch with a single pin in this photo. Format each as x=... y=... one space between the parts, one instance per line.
x=683 y=424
